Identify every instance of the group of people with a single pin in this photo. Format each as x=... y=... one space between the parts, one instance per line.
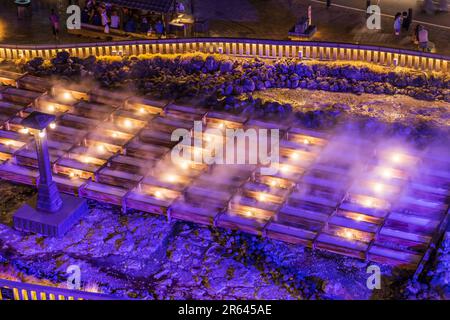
x=111 y=17
x=402 y=23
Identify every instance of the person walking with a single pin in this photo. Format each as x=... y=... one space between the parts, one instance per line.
x=397 y=23
x=423 y=38
x=105 y=19
x=54 y=20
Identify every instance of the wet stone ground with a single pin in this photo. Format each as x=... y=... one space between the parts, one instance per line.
x=144 y=256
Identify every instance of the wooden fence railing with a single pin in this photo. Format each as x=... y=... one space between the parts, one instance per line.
x=12 y=290
x=242 y=47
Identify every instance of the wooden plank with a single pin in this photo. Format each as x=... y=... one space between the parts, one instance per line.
x=151 y=106
x=147 y=203
x=18 y=174
x=290 y=234
x=237 y=222
x=339 y=245
x=32 y=83
x=118 y=178
x=197 y=214
x=103 y=193
x=401 y=259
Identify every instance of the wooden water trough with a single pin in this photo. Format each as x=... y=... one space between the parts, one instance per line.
x=31 y=83
x=385 y=204
x=8 y=78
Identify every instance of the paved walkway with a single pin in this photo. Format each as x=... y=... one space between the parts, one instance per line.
x=248 y=18
x=273 y=18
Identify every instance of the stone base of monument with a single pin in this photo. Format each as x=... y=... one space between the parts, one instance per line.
x=27 y=218
x=306 y=34
x=302 y=30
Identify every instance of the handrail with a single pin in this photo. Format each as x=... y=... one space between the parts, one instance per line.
x=28 y=291
x=329 y=44
x=235 y=46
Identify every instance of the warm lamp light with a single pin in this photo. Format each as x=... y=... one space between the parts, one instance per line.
x=378 y=188
x=284 y=169
x=396 y=158
x=348 y=234
x=184 y=165
x=387 y=173
x=101 y=148
x=67 y=96
x=127 y=123
x=368 y=203
x=171 y=178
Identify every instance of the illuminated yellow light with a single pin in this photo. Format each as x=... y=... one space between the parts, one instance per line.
x=67 y=96
x=85 y=159
x=101 y=148
x=72 y=175
x=52 y=125
x=127 y=123
x=41 y=134
x=396 y=158
x=359 y=218
x=348 y=234
x=294 y=156
x=387 y=173
x=171 y=178
x=24 y=130
x=368 y=203
x=221 y=125
x=184 y=165
x=8 y=143
x=284 y=169
x=306 y=141
x=273 y=183
x=378 y=187
x=141 y=110
x=262 y=197
x=158 y=194
x=114 y=135
x=248 y=213
x=51 y=108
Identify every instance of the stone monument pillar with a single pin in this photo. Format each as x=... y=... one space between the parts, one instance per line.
x=50 y=213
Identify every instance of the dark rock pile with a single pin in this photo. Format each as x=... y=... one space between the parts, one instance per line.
x=220 y=79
